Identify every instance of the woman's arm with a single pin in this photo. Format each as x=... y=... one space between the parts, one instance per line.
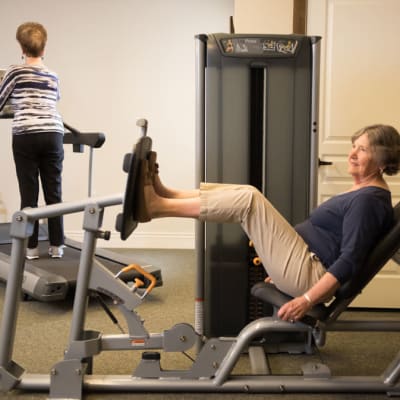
x=6 y=87
x=322 y=291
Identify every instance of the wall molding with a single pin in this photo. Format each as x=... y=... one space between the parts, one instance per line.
x=142 y=240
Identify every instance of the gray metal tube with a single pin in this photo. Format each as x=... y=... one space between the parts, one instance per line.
x=20 y=230
x=392 y=373
x=72 y=207
x=364 y=326
x=82 y=284
x=237 y=384
x=199 y=177
x=242 y=384
x=316 y=50
x=264 y=132
x=12 y=300
x=249 y=332
x=90 y=177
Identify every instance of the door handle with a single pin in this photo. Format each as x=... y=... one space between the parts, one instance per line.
x=320 y=162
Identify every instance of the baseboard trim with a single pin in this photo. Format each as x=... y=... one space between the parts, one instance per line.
x=142 y=240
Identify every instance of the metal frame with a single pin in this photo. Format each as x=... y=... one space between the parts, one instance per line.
x=223 y=121
x=41 y=283
x=211 y=370
x=314 y=134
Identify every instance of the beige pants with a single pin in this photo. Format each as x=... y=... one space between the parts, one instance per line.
x=284 y=254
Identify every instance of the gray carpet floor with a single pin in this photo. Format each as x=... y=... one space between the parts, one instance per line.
x=43 y=329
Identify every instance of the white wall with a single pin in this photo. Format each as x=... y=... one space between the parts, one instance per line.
x=263 y=16
x=118 y=61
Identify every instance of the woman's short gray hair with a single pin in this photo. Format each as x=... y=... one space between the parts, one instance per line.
x=385 y=140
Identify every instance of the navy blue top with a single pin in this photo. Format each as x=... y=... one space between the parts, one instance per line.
x=343 y=230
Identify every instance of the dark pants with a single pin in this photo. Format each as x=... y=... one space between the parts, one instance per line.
x=40 y=154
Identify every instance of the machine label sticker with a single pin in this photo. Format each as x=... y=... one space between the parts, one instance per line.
x=259 y=46
x=280 y=46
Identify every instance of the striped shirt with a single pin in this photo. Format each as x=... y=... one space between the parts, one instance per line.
x=32 y=91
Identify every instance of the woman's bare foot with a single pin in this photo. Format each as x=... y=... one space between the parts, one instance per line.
x=160 y=188
x=153 y=201
x=159 y=207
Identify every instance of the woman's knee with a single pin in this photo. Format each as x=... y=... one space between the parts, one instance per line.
x=255 y=193
x=251 y=188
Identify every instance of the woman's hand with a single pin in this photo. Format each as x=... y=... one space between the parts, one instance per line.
x=292 y=310
x=295 y=309
x=322 y=291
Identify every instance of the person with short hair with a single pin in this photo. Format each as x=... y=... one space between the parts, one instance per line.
x=313 y=259
x=32 y=90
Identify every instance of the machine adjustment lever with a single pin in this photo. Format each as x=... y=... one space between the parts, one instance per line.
x=146 y=274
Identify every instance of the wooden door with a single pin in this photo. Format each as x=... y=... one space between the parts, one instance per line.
x=360 y=85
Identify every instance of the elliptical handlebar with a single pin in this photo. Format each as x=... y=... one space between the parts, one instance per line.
x=143 y=124
x=79 y=139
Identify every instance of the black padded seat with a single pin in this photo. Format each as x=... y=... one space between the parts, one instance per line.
x=380 y=255
x=268 y=293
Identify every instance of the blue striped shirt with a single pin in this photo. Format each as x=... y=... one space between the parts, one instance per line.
x=32 y=91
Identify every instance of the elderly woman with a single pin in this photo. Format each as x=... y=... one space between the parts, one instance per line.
x=311 y=260
x=37 y=142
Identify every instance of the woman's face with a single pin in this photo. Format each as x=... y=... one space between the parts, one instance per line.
x=361 y=160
